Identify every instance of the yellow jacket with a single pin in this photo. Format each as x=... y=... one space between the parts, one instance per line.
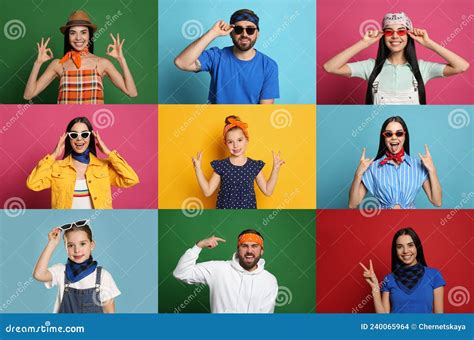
x=60 y=176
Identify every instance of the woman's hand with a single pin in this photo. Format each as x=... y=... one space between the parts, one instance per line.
x=277 y=161
x=115 y=50
x=420 y=36
x=364 y=164
x=54 y=236
x=44 y=53
x=372 y=36
x=59 y=150
x=100 y=144
x=369 y=276
x=427 y=160
x=197 y=160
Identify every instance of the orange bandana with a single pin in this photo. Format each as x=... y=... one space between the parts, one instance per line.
x=236 y=123
x=75 y=56
x=250 y=237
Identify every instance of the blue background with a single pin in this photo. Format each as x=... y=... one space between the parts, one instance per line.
x=291 y=45
x=126 y=245
x=338 y=151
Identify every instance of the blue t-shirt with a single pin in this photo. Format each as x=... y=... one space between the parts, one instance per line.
x=235 y=81
x=420 y=300
x=237 y=188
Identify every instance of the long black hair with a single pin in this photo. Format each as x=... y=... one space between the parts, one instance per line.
x=420 y=255
x=67 y=44
x=67 y=144
x=382 y=147
x=410 y=55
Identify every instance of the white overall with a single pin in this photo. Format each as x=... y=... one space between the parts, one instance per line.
x=383 y=97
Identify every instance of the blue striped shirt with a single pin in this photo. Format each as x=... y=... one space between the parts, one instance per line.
x=393 y=185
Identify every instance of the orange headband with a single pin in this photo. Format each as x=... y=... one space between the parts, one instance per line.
x=250 y=237
x=236 y=123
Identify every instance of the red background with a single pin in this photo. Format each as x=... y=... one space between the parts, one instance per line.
x=345 y=238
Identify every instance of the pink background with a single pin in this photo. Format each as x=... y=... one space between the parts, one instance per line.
x=338 y=25
x=36 y=132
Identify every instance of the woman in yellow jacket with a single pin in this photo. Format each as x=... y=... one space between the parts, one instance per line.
x=81 y=180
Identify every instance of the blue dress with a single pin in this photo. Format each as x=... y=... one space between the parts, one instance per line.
x=237 y=183
x=420 y=299
x=393 y=185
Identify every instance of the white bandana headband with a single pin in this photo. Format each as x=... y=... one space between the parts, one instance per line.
x=397 y=19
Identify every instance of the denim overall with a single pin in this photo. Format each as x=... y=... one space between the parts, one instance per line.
x=81 y=300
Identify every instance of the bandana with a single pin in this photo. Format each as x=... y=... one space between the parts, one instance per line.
x=398 y=157
x=236 y=17
x=77 y=271
x=397 y=19
x=250 y=237
x=82 y=157
x=75 y=56
x=408 y=277
x=236 y=123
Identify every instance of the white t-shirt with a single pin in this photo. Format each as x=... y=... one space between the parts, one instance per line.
x=108 y=288
x=81 y=198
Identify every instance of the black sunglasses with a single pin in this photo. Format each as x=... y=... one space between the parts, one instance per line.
x=83 y=134
x=248 y=30
x=389 y=134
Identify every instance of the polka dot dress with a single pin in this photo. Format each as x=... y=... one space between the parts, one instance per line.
x=237 y=188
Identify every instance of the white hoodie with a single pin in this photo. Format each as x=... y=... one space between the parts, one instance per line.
x=232 y=288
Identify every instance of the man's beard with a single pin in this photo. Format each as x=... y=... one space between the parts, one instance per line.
x=242 y=48
x=248 y=266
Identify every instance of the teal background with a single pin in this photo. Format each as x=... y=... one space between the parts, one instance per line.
x=138 y=25
x=290 y=253
x=126 y=245
x=287 y=35
x=339 y=147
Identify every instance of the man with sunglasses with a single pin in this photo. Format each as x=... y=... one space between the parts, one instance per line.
x=239 y=74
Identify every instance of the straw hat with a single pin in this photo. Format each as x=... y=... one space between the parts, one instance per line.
x=78 y=18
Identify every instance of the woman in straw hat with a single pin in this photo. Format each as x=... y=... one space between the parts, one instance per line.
x=80 y=72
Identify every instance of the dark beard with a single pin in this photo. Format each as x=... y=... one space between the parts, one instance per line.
x=248 y=266
x=249 y=47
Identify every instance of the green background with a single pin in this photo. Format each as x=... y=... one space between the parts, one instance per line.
x=137 y=24
x=290 y=254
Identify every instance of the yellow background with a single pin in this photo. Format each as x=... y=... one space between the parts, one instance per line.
x=183 y=130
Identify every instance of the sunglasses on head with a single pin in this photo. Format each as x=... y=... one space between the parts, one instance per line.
x=78 y=224
x=400 y=33
x=389 y=134
x=75 y=135
x=248 y=30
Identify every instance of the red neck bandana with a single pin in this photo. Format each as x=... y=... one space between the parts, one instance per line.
x=397 y=158
x=75 y=56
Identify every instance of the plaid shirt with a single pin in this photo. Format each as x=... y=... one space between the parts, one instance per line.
x=81 y=87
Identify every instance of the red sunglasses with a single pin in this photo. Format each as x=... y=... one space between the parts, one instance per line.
x=389 y=134
x=400 y=33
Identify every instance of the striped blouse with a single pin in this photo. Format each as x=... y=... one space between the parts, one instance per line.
x=393 y=185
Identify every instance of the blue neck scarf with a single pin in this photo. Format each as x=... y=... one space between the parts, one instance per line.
x=408 y=277
x=81 y=157
x=77 y=271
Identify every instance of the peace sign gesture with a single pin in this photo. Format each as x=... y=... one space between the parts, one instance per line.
x=197 y=160
x=369 y=275
x=364 y=164
x=427 y=160
x=44 y=53
x=210 y=242
x=115 y=50
x=277 y=161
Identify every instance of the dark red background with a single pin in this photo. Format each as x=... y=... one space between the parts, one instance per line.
x=346 y=237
